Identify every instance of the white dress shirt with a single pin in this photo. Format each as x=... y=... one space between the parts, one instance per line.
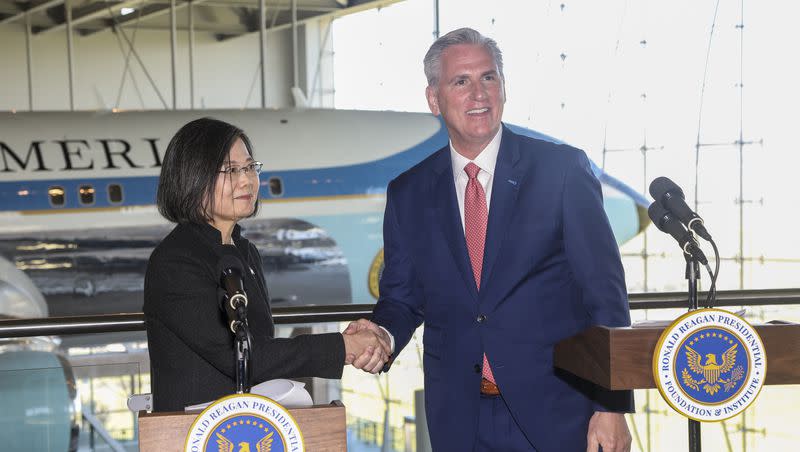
x=486 y=161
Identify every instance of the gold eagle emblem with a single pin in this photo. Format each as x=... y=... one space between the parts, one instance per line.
x=263 y=445
x=712 y=371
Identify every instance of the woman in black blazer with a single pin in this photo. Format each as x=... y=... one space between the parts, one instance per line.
x=209 y=181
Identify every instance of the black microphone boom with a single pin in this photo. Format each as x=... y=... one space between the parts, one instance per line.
x=665 y=222
x=666 y=192
x=234 y=303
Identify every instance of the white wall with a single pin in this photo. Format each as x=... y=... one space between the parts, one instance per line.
x=226 y=73
x=317 y=41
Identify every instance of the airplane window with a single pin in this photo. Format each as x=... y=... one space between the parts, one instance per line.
x=114 y=193
x=275 y=186
x=56 y=196
x=86 y=194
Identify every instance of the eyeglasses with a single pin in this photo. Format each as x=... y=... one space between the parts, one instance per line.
x=253 y=168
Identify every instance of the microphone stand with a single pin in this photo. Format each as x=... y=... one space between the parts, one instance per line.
x=693 y=275
x=241 y=345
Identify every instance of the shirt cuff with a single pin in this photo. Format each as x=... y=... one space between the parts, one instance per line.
x=391 y=338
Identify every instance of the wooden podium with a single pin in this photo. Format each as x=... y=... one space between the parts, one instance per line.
x=622 y=358
x=323 y=428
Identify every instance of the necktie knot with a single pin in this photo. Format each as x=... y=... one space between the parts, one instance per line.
x=472 y=170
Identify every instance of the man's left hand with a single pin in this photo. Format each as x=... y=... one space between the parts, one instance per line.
x=609 y=431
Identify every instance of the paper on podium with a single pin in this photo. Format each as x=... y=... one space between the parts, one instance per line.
x=289 y=393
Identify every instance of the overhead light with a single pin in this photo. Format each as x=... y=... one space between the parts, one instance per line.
x=126 y=11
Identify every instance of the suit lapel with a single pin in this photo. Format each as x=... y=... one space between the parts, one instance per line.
x=505 y=187
x=449 y=218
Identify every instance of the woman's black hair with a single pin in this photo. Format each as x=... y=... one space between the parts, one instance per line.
x=190 y=169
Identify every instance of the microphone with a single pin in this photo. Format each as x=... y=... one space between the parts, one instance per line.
x=671 y=196
x=665 y=221
x=234 y=303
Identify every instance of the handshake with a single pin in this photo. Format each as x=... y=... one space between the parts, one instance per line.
x=367 y=346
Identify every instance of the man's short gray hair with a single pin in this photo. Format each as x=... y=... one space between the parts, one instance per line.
x=433 y=59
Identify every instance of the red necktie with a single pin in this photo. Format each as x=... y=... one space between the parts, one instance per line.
x=476 y=215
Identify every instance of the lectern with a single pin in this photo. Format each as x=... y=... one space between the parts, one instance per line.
x=622 y=358
x=323 y=428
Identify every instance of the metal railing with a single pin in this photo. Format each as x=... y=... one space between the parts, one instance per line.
x=113 y=323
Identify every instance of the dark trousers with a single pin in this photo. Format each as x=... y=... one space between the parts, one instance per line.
x=497 y=429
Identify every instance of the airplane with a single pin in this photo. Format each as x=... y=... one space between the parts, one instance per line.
x=78 y=221
x=77 y=192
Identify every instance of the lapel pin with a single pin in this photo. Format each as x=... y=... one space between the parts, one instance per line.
x=512 y=182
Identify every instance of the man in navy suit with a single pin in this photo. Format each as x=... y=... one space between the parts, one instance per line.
x=500 y=244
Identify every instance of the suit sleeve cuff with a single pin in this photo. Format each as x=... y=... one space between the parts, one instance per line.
x=614 y=401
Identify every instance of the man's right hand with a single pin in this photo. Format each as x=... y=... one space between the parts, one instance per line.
x=367 y=346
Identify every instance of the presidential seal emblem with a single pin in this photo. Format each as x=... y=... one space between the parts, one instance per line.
x=244 y=423
x=709 y=365
x=375 y=272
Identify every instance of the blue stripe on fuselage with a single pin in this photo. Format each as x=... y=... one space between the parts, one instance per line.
x=27 y=195
x=359 y=179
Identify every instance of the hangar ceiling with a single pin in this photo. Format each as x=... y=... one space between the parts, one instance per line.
x=222 y=18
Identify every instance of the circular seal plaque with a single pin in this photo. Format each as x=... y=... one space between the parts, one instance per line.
x=375 y=272
x=244 y=422
x=709 y=365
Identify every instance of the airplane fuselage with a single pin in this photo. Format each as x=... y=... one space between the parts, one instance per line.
x=77 y=194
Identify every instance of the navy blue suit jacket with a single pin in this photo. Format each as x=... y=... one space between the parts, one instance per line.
x=551 y=269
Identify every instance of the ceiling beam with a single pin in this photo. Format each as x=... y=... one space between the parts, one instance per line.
x=155 y=8
x=152 y=11
x=254 y=5
x=101 y=10
x=35 y=9
x=362 y=6
x=208 y=28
